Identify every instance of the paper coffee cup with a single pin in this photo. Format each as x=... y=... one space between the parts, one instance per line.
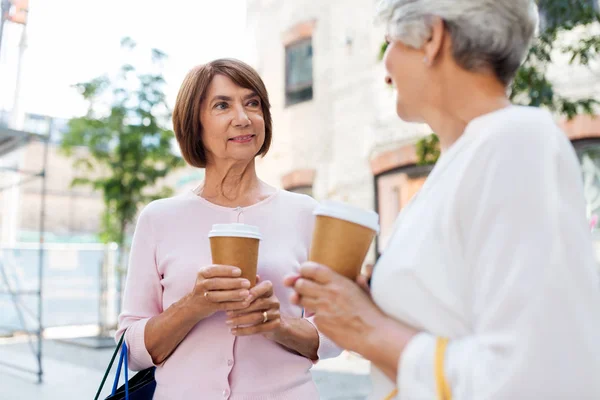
x=237 y=245
x=342 y=237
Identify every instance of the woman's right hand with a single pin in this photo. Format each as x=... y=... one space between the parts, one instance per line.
x=219 y=288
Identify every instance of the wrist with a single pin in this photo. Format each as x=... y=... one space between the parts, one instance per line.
x=298 y=336
x=385 y=341
x=192 y=310
x=279 y=334
x=375 y=337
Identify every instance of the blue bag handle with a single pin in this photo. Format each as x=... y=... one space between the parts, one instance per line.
x=122 y=360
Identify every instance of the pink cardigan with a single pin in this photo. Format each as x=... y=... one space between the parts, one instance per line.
x=169 y=247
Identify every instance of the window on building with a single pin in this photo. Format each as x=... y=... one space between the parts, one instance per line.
x=588 y=152
x=393 y=191
x=299 y=72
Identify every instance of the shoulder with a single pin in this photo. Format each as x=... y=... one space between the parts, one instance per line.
x=297 y=209
x=169 y=207
x=520 y=138
x=518 y=126
x=521 y=150
x=296 y=201
x=297 y=215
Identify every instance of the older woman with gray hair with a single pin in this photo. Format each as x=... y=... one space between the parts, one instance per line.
x=488 y=287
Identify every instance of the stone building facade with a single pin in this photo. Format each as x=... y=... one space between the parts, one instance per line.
x=331 y=142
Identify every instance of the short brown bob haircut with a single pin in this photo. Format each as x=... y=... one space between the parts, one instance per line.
x=186 y=115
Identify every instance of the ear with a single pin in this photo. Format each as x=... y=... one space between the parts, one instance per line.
x=433 y=46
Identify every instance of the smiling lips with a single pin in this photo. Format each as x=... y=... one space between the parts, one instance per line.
x=242 y=139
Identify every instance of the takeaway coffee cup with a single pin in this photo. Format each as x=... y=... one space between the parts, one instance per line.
x=237 y=245
x=342 y=237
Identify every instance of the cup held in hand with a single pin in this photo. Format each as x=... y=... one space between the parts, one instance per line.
x=342 y=237
x=237 y=245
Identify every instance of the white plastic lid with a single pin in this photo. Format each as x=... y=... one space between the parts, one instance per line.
x=334 y=209
x=235 y=230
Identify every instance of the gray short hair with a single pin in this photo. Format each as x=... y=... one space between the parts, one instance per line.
x=492 y=34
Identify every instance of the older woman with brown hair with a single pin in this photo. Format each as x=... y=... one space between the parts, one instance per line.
x=488 y=286
x=210 y=335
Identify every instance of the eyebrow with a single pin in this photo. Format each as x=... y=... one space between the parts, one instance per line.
x=227 y=98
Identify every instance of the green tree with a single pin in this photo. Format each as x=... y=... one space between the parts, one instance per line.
x=128 y=149
x=428 y=150
x=531 y=85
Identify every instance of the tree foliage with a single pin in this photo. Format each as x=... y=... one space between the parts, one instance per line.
x=428 y=150
x=128 y=149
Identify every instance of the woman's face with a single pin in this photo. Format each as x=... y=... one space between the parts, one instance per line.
x=406 y=71
x=233 y=128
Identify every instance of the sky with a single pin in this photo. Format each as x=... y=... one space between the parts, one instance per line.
x=71 y=41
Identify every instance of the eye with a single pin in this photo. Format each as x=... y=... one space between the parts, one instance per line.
x=253 y=103
x=221 y=106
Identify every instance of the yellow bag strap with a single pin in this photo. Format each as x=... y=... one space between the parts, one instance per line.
x=393 y=394
x=443 y=388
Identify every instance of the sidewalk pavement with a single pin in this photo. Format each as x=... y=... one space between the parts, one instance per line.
x=74 y=372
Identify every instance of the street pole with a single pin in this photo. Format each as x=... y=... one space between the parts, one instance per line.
x=5 y=8
x=17 y=116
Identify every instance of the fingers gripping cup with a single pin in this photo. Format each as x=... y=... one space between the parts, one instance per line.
x=342 y=237
x=237 y=245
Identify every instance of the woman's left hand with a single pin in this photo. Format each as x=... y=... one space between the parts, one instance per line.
x=261 y=317
x=343 y=311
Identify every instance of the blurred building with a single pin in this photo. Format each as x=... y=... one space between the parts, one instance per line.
x=73 y=214
x=336 y=134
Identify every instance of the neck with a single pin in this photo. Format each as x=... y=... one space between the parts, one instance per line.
x=231 y=184
x=467 y=96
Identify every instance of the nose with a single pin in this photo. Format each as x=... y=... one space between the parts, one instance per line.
x=241 y=119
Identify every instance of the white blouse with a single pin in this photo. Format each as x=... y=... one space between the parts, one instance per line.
x=495 y=253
